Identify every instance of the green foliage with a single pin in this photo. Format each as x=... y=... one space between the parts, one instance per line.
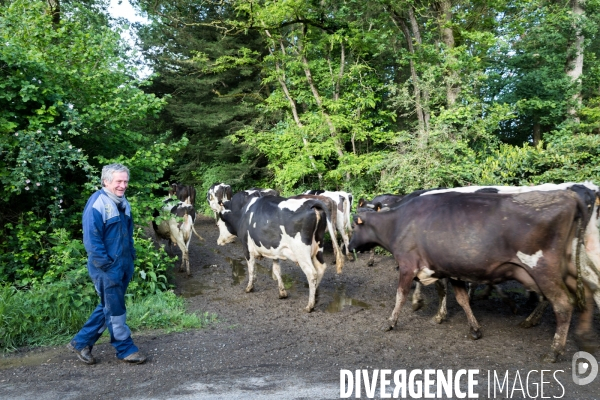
x=46 y=314
x=152 y=266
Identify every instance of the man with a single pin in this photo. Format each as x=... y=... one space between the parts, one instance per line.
x=108 y=240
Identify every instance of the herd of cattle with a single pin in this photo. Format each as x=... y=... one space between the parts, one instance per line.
x=546 y=237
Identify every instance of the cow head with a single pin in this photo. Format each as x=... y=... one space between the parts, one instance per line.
x=361 y=239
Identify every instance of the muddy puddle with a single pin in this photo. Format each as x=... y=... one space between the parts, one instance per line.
x=191 y=287
x=31 y=358
x=341 y=300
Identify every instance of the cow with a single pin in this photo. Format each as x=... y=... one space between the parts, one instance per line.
x=331 y=224
x=343 y=218
x=589 y=193
x=379 y=202
x=487 y=238
x=185 y=193
x=177 y=228
x=586 y=190
x=218 y=193
x=280 y=229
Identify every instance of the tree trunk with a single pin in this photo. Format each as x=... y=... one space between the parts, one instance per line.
x=575 y=63
x=54 y=10
x=444 y=20
x=397 y=19
x=537 y=133
x=417 y=34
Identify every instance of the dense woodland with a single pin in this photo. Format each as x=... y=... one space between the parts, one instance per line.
x=367 y=96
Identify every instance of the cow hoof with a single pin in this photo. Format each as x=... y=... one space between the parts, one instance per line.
x=307 y=309
x=386 y=327
x=417 y=305
x=438 y=319
x=550 y=357
x=249 y=289
x=475 y=334
x=283 y=295
x=370 y=263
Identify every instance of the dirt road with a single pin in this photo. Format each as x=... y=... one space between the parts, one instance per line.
x=267 y=348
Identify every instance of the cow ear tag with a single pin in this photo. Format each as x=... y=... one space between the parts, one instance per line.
x=597 y=201
x=359 y=221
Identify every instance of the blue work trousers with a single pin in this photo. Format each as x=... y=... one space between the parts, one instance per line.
x=111 y=287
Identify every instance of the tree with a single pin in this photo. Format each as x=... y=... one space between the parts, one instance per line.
x=68 y=104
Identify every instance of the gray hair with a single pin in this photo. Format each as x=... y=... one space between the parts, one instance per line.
x=109 y=170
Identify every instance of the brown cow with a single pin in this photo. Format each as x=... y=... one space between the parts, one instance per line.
x=486 y=238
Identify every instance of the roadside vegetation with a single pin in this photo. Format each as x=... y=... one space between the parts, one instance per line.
x=367 y=96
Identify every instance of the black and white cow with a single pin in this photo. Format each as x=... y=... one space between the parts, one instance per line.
x=219 y=192
x=280 y=229
x=486 y=238
x=343 y=218
x=331 y=224
x=185 y=193
x=177 y=228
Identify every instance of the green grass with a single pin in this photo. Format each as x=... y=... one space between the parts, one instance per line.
x=53 y=314
x=164 y=311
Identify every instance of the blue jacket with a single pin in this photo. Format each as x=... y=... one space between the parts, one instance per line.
x=108 y=236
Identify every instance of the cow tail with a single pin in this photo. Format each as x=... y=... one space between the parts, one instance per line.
x=322 y=211
x=580 y=288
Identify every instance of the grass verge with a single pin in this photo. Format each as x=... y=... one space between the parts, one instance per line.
x=48 y=315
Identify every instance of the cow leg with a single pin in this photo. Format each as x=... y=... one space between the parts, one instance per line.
x=320 y=267
x=339 y=258
x=404 y=283
x=251 y=274
x=441 y=285
x=186 y=261
x=584 y=336
x=277 y=273
x=556 y=291
x=312 y=278
x=563 y=312
x=347 y=245
x=183 y=246
x=462 y=297
x=417 y=297
x=536 y=315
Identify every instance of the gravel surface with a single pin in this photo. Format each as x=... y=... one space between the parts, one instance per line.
x=263 y=347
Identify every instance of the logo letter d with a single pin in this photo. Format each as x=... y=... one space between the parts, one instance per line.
x=579 y=368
